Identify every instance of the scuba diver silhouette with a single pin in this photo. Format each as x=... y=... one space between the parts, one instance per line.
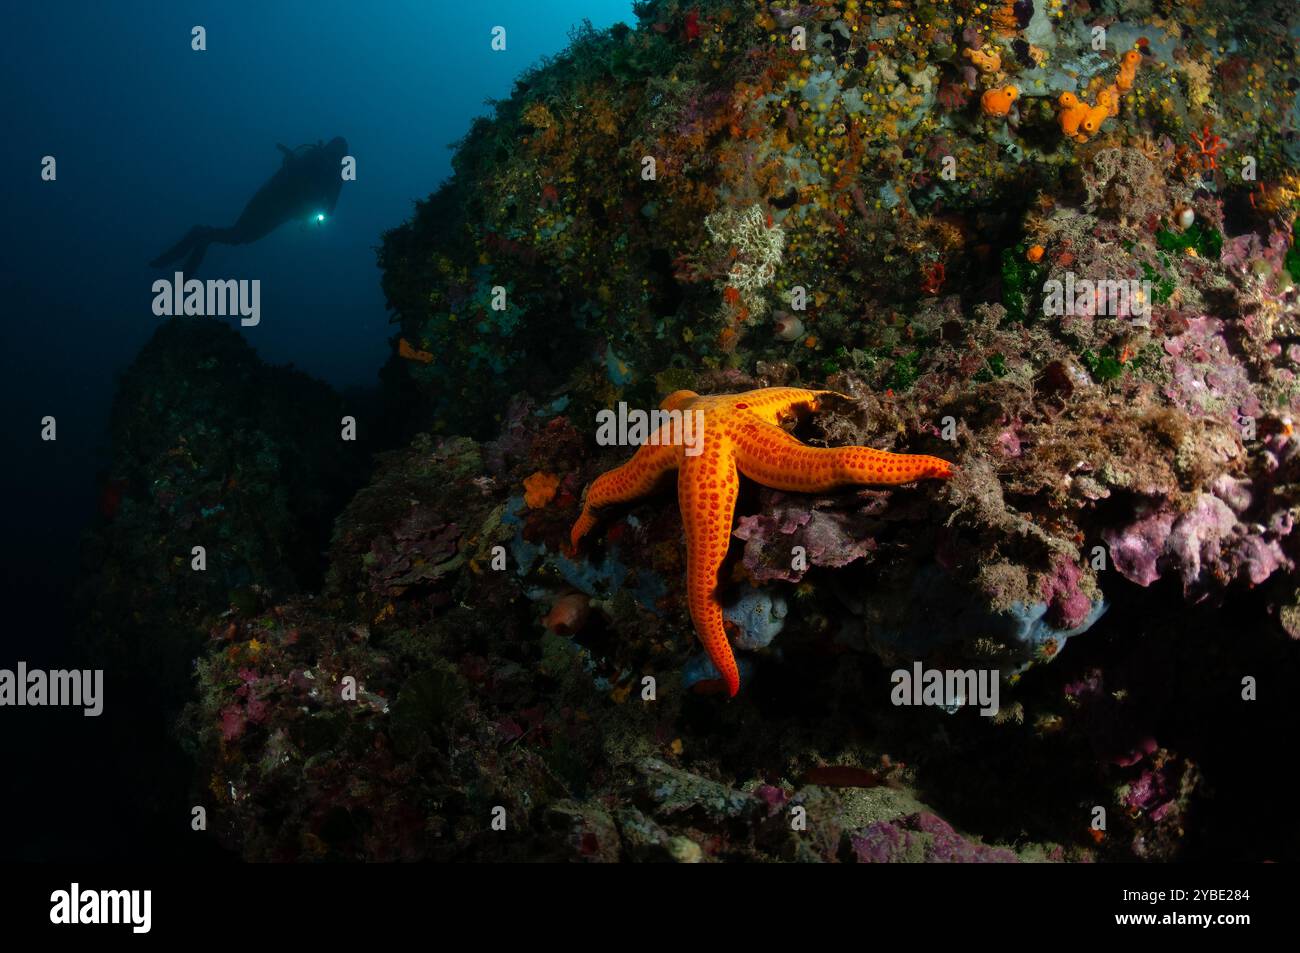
x=307 y=184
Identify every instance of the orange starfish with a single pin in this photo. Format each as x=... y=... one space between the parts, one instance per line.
x=741 y=432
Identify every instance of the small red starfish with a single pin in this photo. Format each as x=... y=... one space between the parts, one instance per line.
x=932 y=279
x=693 y=25
x=1210 y=146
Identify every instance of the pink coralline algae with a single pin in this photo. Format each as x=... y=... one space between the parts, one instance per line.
x=1149 y=793
x=922 y=837
x=417 y=553
x=1198 y=538
x=1204 y=374
x=1068 y=605
x=830 y=538
x=1156 y=801
x=773 y=798
x=258 y=709
x=232 y=722
x=1210 y=538
x=1009 y=442
x=255 y=709
x=1241 y=250
x=1136 y=549
x=1208 y=545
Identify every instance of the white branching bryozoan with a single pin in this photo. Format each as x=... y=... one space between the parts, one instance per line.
x=758 y=250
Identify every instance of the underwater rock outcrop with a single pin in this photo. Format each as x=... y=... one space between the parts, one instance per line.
x=435 y=688
x=392 y=718
x=649 y=201
x=211 y=448
x=656 y=192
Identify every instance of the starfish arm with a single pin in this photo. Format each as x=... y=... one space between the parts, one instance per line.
x=706 y=491
x=775 y=403
x=632 y=480
x=768 y=455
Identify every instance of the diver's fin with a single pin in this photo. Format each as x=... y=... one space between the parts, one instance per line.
x=195 y=244
x=182 y=247
x=291 y=154
x=200 y=249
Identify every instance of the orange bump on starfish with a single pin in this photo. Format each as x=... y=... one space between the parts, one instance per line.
x=742 y=434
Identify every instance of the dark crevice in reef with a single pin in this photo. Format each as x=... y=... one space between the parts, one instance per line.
x=1003 y=786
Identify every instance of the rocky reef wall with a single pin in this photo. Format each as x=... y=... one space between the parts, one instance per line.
x=1054 y=245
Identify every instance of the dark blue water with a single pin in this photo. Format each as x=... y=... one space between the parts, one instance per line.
x=152 y=137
